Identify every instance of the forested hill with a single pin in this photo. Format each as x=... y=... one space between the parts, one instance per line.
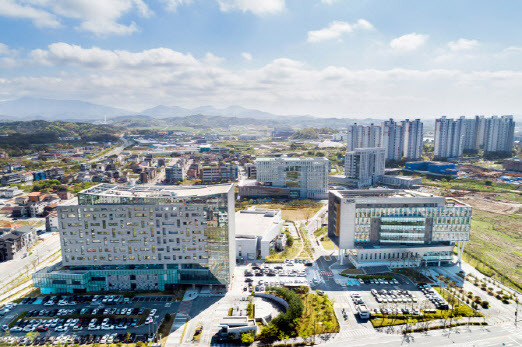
x=16 y=137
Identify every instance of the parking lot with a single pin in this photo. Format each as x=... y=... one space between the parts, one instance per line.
x=388 y=296
x=290 y=273
x=85 y=319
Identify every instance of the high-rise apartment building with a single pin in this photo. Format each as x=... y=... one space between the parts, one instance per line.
x=413 y=139
x=499 y=135
x=363 y=166
x=455 y=136
x=363 y=136
x=397 y=228
x=393 y=140
x=399 y=139
x=144 y=238
x=449 y=137
x=307 y=178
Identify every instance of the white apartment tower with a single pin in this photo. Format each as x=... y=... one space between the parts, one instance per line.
x=413 y=131
x=449 y=137
x=363 y=166
x=399 y=139
x=363 y=136
x=393 y=140
x=454 y=136
x=499 y=134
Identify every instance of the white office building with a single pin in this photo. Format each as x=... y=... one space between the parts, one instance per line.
x=307 y=178
x=397 y=228
x=364 y=166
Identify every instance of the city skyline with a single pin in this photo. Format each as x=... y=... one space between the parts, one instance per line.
x=336 y=58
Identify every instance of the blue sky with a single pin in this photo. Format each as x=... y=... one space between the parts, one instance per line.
x=322 y=57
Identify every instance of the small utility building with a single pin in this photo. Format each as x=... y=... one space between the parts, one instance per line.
x=256 y=232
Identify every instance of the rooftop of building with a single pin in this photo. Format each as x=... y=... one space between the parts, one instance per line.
x=256 y=222
x=293 y=159
x=392 y=193
x=105 y=189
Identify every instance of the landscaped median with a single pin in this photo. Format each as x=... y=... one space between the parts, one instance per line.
x=308 y=314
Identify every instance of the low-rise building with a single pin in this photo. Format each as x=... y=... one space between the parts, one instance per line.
x=10 y=192
x=256 y=232
x=15 y=242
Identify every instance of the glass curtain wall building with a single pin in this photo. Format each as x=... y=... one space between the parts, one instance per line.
x=144 y=238
x=397 y=228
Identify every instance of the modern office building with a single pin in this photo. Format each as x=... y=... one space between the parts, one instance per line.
x=256 y=233
x=499 y=135
x=307 y=178
x=449 y=137
x=363 y=166
x=144 y=238
x=397 y=228
x=413 y=139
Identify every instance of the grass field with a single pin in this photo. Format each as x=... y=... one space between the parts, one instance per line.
x=470 y=185
x=328 y=244
x=495 y=246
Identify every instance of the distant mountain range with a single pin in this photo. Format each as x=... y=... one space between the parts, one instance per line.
x=49 y=109
x=28 y=108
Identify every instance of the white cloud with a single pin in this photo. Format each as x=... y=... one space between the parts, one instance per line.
x=246 y=56
x=164 y=76
x=336 y=29
x=328 y=2
x=100 y=17
x=463 y=45
x=408 y=42
x=18 y=9
x=60 y=54
x=257 y=7
x=172 y=5
x=6 y=51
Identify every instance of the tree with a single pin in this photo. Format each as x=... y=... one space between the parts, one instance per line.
x=270 y=332
x=248 y=338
